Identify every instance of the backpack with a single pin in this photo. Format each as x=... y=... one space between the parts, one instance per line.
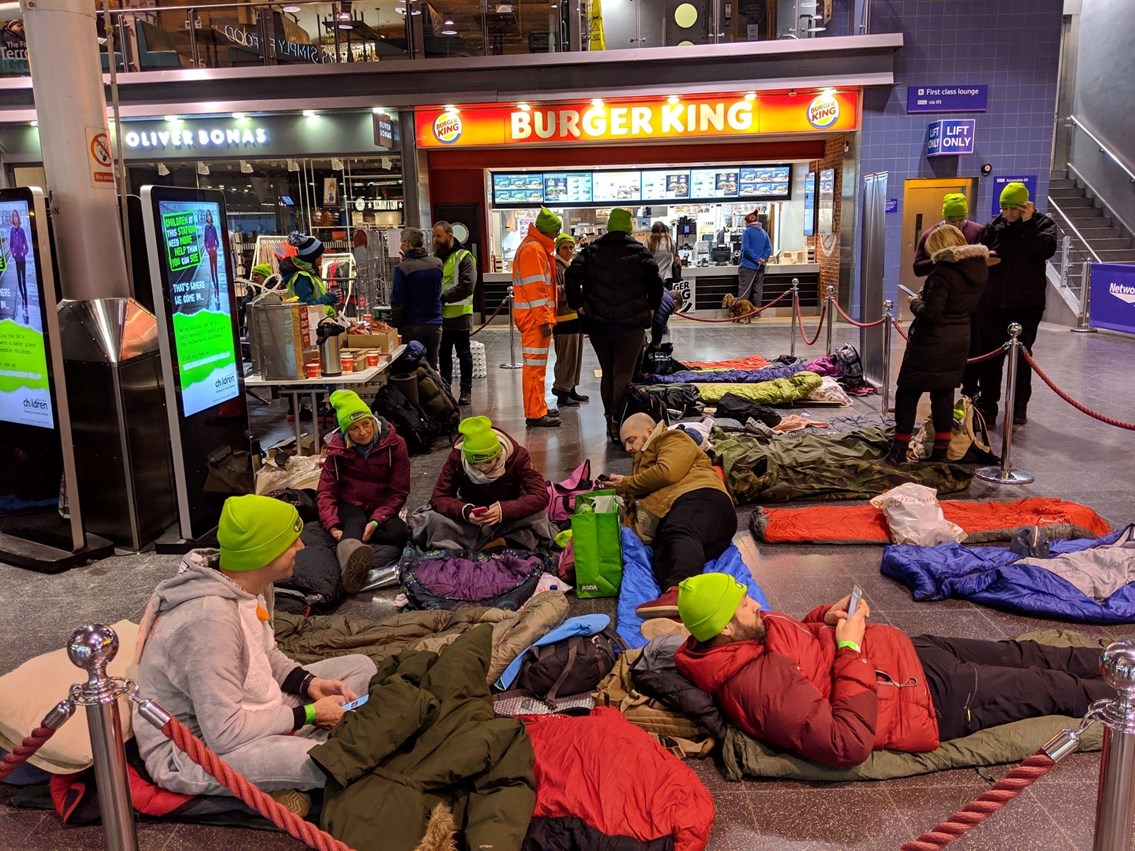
x=636 y=400
x=574 y=665
x=739 y=408
x=437 y=402
x=405 y=416
x=846 y=357
x=562 y=496
x=969 y=443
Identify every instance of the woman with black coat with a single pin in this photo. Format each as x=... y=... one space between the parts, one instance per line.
x=936 y=354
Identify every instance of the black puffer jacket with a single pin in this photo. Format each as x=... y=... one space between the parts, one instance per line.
x=939 y=336
x=1019 y=279
x=614 y=284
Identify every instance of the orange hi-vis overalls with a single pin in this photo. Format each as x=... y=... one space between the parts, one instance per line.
x=534 y=305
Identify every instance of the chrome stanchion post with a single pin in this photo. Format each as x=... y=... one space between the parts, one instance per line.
x=512 y=362
x=92 y=648
x=1115 y=801
x=831 y=319
x=888 y=314
x=792 y=325
x=1082 y=326
x=1005 y=474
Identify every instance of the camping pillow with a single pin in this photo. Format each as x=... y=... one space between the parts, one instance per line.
x=28 y=693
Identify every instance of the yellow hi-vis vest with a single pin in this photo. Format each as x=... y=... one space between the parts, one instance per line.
x=449 y=280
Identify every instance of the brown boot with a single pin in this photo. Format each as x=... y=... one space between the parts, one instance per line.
x=355 y=559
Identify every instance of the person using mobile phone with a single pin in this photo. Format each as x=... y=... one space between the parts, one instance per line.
x=935 y=356
x=488 y=492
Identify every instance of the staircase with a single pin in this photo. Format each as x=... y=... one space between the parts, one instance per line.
x=1070 y=204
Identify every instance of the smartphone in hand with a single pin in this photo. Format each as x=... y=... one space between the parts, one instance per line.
x=909 y=291
x=856 y=595
x=479 y=510
x=356 y=703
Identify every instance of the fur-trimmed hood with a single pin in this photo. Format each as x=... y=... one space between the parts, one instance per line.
x=958 y=253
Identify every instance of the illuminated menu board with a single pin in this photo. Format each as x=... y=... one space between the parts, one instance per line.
x=765 y=181
x=669 y=185
x=567 y=187
x=525 y=188
x=714 y=183
x=608 y=186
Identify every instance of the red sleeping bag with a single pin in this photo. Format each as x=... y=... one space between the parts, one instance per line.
x=600 y=779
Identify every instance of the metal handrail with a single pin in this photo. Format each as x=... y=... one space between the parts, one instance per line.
x=1104 y=149
x=1096 y=196
x=1072 y=227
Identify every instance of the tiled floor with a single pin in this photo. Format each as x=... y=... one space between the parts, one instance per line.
x=1071 y=455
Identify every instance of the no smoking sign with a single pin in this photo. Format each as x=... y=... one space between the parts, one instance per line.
x=101 y=158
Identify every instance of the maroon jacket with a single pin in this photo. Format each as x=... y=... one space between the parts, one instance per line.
x=377 y=483
x=520 y=490
x=797 y=691
x=922 y=262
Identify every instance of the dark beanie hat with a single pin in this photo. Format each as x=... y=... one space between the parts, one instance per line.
x=307 y=247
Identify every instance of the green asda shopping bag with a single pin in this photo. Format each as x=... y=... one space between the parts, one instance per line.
x=595 y=526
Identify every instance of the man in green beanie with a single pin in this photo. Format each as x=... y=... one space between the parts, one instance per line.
x=207 y=652
x=362 y=488
x=955 y=211
x=1022 y=240
x=488 y=493
x=534 y=308
x=615 y=285
x=833 y=687
x=567 y=333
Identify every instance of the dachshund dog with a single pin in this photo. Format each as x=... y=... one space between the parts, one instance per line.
x=738 y=307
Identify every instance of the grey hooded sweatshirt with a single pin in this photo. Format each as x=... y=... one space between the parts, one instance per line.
x=207 y=656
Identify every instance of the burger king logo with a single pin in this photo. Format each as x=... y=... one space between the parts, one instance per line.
x=447 y=128
x=823 y=111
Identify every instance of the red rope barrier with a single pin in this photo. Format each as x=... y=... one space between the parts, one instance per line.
x=898 y=328
x=855 y=322
x=1009 y=787
x=496 y=313
x=1084 y=409
x=20 y=753
x=756 y=312
x=1000 y=350
x=260 y=801
x=800 y=322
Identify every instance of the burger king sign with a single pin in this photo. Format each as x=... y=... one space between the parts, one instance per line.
x=823 y=111
x=447 y=128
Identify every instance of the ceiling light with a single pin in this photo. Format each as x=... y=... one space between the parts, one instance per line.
x=448 y=31
x=378 y=110
x=343 y=16
x=346 y=26
x=401 y=10
x=597 y=101
x=673 y=99
x=448 y=22
x=451 y=109
x=827 y=91
x=750 y=96
x=34 y=123
x=792 y=93
x=309 y=113
x=291 y=9
x=238 y=115
x=415 y=11
x=172 y=118
x=524 y=107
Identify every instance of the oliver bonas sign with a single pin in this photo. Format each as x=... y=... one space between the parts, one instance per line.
x=1113 y=297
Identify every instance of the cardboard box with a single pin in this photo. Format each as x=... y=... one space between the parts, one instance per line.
x=359 y=357
x=384 y=341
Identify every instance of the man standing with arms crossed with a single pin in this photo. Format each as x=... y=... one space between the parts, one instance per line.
x=534 y=308
x=458 y=280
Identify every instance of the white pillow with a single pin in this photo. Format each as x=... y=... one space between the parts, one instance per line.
x=28 y=693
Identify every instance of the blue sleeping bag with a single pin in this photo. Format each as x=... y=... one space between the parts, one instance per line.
x=991 y=577
x=729 y=376
x=639 y=585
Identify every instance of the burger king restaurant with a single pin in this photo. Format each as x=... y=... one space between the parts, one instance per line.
x=699 y=163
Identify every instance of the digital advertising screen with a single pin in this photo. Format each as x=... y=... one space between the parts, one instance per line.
x=810 y=204
x=522 y=189
x=567 y=187
x=712 y=184
x=617 y=186
x=765 y=181
x=669 y=185
x=192 y=254
x=25 y=394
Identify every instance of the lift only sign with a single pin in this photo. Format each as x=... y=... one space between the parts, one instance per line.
x=950 y=137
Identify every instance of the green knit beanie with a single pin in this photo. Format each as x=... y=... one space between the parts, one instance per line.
x=620 y=220
x=548 y=223
x=264 y=269
x=254 y=530
x=564 y=237
x=1014 y=195
x=706 y=603
x=349 y=408
x=955 y=206
x=481 y=442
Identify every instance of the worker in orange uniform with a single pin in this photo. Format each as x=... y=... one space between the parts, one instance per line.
x=534 y=306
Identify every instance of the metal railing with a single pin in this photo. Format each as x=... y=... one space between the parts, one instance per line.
x=1104 y=149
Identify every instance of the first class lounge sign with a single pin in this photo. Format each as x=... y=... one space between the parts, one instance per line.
x=636 y=121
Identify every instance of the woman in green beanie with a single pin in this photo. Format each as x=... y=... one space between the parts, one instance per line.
x=364 y=484
x=207 y=652
x=488 y=490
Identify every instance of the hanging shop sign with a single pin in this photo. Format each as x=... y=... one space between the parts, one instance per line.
x=1112 y=303
x=947 y=98
x=641 y=120
x=950 y=137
